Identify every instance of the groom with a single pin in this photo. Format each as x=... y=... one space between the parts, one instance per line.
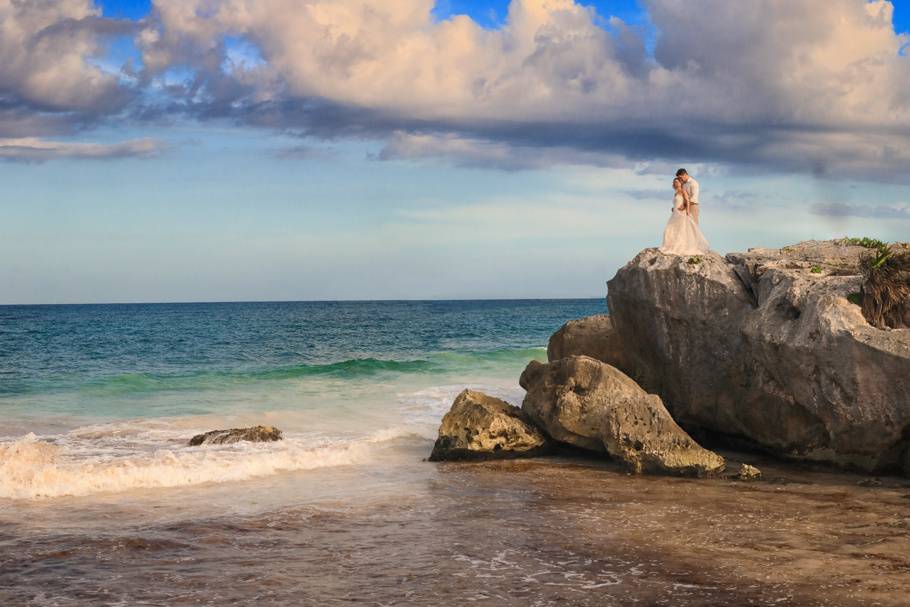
x=691 y=187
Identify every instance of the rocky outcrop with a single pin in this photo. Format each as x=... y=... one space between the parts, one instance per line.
x=592 y=405
x=482 y=427
x=592 y=336
x=256 y=434
x=768 y=346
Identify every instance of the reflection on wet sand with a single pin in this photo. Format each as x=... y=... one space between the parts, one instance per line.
x=538 y=532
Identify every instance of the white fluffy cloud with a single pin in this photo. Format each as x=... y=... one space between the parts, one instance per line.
x=47 y=48
x=51 y=83
x=814 y=85
x=803 y=85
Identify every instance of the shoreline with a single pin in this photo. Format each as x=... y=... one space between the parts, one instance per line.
x=556 y=529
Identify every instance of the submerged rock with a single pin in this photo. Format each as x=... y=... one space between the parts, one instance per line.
x=482 y=427
x=256 y=434
x=592 y=405
x=770 y=346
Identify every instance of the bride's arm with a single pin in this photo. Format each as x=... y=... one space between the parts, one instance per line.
x=685 y=196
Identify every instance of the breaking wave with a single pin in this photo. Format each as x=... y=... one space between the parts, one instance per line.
x=31 y=468
x=441 y=362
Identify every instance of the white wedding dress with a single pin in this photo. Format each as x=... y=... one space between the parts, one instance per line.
x=682 y=235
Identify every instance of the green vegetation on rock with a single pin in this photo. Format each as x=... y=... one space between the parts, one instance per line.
x=865 y=241
x=885 y=296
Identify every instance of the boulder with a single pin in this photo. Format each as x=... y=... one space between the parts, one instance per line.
x=482 y=427
x=255 y=434
x=592 y=336
x=592 y=405
x=768 y=346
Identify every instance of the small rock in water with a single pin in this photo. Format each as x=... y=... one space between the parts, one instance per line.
x=256 y=434
x=748 y=473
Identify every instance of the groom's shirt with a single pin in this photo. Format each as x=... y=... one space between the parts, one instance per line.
x=692 y=190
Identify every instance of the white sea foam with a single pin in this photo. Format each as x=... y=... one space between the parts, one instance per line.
x=150 y=453
x=32 y=468
x=425 y=408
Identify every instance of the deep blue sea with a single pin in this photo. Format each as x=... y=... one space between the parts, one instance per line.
x=102 y=398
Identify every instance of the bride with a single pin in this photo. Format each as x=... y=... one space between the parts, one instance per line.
x=682 y=235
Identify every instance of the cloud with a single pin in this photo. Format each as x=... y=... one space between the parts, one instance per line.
x=649 y=194
x=48 y=49
x=837 y=210
x=809 y=85
x=302 y=152
x=30 y=149
x=487 y=154
x=727 y=199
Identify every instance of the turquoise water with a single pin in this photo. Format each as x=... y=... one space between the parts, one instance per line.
x=102 y=398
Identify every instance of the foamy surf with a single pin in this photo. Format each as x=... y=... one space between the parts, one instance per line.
x=32 y=468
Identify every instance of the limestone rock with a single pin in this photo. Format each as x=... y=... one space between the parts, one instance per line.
x=256 y=434
x=590 y=404
x=748 y=473
x=482 y=427
x=767 y=346
x=592 y=336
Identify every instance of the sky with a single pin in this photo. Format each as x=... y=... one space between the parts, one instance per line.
x=238 y=150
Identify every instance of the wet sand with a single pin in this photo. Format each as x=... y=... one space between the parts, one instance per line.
x=537 y=532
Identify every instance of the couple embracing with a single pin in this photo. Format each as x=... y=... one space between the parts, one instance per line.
x=682 y=235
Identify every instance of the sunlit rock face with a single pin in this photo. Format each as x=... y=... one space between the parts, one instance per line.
x=479 y=427
x=592 y=405
x=768 y=346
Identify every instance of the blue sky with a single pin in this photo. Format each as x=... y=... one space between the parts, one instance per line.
x=149 y=194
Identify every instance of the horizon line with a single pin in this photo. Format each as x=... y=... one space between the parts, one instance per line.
x=259 y=301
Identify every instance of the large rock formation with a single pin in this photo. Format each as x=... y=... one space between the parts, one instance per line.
x=768 y=346
x=584 y=402
x=482 y=427
x=256 y=434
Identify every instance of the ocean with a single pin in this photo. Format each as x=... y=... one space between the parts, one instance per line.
x=103 y=398
x=102 y=501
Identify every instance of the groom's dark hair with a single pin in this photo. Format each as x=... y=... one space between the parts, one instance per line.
x=681 y=172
